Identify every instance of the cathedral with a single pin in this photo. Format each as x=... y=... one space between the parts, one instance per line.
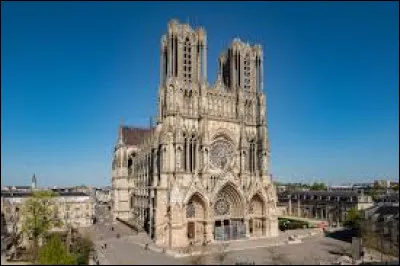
x=200 y=173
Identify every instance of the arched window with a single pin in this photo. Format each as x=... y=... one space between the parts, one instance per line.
x=132 y=202
x=190 y=151
x=187 y=61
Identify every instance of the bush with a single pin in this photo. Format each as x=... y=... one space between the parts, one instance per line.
x=54 y=252
x=81 y=248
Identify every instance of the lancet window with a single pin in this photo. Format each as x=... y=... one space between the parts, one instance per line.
x=190 y=151
x=246 y=73
x=187 y=61
x=252 y=156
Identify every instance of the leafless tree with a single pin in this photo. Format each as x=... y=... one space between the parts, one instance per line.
x=222 y=253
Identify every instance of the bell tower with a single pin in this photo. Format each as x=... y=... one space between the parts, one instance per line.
x=241 y=66
x=183 y=54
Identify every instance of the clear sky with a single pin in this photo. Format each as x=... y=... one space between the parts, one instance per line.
x=70 y=71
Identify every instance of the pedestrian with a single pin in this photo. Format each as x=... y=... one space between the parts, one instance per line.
x=105 y=245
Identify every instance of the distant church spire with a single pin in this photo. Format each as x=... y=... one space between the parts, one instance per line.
x=34 y=182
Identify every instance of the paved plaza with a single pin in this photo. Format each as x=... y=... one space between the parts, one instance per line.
x=129 y=249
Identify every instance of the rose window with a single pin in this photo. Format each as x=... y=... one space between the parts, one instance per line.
x=220 y=154
x=222 y=207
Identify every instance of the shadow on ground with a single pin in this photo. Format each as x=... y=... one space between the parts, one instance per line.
x=343 y=235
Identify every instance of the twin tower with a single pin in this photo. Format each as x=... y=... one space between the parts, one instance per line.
x=184 y=56
x=237 y=92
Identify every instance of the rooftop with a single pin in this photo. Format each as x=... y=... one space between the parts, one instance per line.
x=20 y=194
x=134 y=135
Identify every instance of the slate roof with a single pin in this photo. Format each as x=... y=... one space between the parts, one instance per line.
x=382 y=210
x=134 y=135
x=388 y=210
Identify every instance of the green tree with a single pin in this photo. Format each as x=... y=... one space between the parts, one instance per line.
x=81 y=248
x=396 y=188
x=38 y=217
x=318 y=186
x=373 y=192
x=353 y=218
x=54 y=252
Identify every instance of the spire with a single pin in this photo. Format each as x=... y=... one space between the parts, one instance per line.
x=120 y=141
x=34 y=181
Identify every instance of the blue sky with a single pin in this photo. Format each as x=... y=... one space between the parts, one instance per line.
x=70 y=71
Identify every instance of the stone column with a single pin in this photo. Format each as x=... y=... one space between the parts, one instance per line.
x=173 y=56
x=198 y=62
x=187 y=155
x=290 y=206
x=241 y=59
x=247 y=224
x=262 y=73
x=233 y=72
x=162 y=65
x=209 y=230
x=204 y=53
x=204 y=162
x=180 y=57
x=192 y=150
x=264 y=226
x=298 y=206
x=256 y=153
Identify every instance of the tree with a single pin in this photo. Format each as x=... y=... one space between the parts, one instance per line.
x=318 y=186
x=81 y=248
x=54 y=252
x=38 y=217
x=373 y=192
x=353 y=219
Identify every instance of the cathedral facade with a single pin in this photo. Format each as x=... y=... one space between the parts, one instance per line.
x=201 y=173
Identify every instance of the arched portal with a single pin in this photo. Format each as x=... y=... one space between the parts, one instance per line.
x=257 y=219
x=196 y=217
x=229 y=214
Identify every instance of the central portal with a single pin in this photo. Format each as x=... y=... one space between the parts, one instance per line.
x=228 y=215
x=229 y=229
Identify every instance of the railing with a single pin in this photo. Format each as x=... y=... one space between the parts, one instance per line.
x=135 y=227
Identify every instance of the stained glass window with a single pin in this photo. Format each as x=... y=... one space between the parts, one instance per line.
x=220 y=153
x=222 y=207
